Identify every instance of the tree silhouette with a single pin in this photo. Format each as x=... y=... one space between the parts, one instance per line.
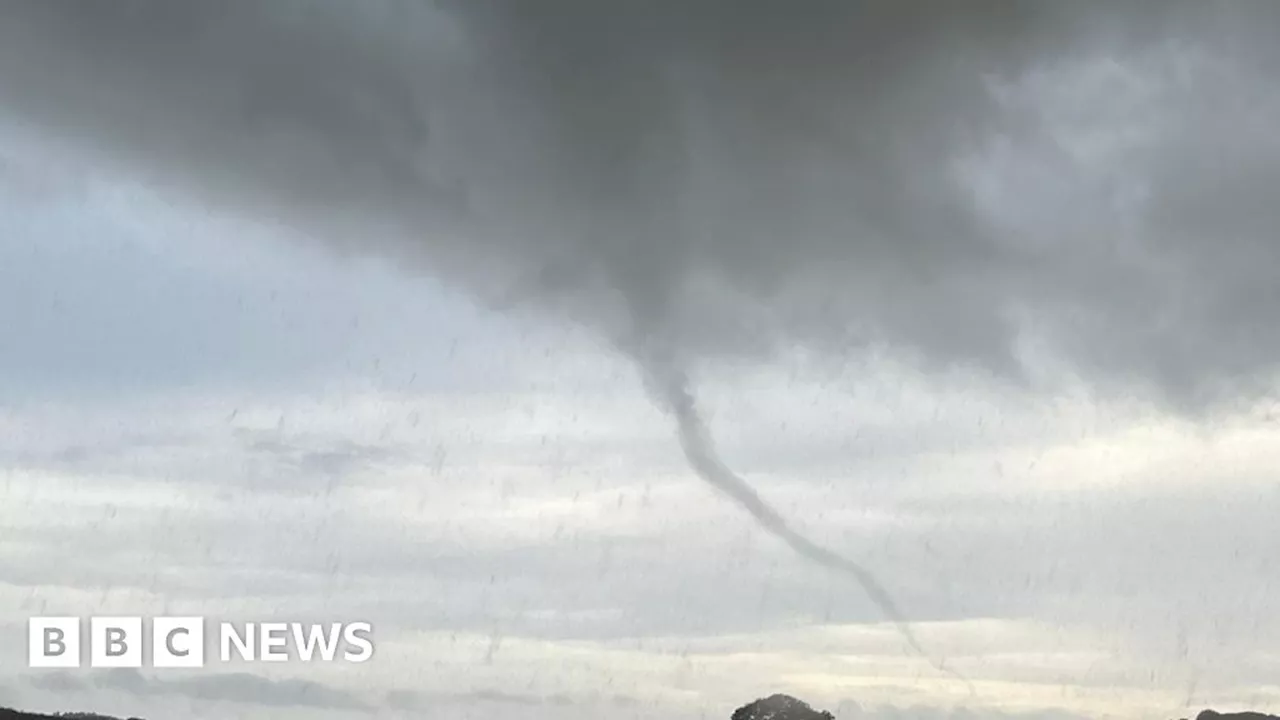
x=780 y=707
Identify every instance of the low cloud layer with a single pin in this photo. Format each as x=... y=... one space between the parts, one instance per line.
x=1100 y=569
x=227 y=687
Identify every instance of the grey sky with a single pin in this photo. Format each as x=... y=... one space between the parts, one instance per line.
x=97 y=299
x=314 y=310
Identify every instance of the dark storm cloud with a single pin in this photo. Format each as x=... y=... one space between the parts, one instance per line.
x=720 y=177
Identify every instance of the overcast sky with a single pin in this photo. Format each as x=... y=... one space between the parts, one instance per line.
x=310 y=312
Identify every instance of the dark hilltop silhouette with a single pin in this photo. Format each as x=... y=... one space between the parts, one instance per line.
x=1213 y=715
x=10 y=714
x=779 y=707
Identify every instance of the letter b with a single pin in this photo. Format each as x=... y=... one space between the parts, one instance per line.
x=53 y=642
x=115 y=642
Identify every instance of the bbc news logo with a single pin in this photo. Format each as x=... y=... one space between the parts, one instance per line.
x=179 y=642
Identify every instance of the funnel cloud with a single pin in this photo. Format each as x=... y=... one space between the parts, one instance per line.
x=1036 y=190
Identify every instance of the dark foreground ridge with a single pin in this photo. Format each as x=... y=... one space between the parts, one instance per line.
x=774 y=707
x=10 y=714
x=1212 y=715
